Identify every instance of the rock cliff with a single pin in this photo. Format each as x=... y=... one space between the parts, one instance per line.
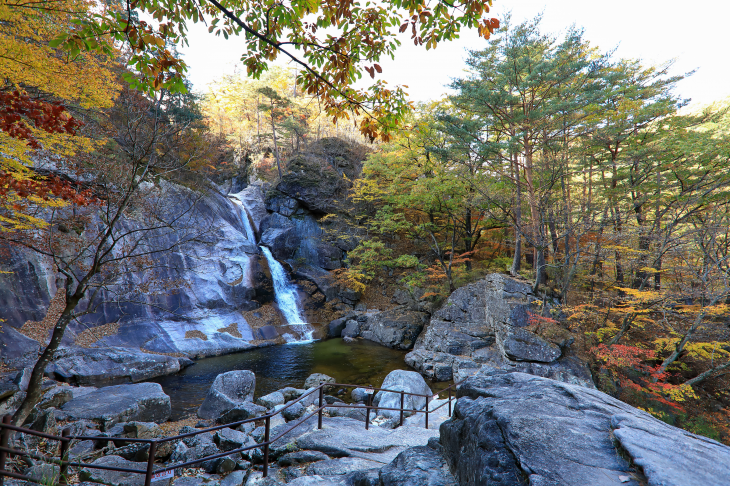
x=483 y=325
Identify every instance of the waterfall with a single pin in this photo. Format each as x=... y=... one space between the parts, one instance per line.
x=286 y=297
x=250 y=235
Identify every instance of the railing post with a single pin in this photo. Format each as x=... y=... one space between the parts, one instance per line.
x=321 y=400
x=367 y=411
x=402 y=397
x=3 y=443
x=150 y=463
x=449 y=400
x=65 y=443
x=266 y=445
x=427 y=399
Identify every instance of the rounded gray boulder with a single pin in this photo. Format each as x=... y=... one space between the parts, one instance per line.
x=407 y=381
x=227 y=392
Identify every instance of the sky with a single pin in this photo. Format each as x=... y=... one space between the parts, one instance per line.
x=694 y=34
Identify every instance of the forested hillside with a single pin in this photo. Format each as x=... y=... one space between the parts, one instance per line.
x=580 y=172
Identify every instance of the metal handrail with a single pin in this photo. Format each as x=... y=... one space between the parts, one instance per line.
x=66 y=438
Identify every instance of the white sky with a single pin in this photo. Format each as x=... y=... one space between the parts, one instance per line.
x=695 y=33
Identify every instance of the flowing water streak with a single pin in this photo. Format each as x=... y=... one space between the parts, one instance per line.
x=286 y=297
x=246 y=222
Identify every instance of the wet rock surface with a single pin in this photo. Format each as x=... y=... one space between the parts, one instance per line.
x=482 y=326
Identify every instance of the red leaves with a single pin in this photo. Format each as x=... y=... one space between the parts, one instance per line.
x=46 y=188
x=17 y=107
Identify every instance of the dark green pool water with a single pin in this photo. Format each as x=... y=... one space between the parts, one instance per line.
x=360 y=363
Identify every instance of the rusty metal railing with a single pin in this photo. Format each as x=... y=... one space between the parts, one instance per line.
x=65 y=438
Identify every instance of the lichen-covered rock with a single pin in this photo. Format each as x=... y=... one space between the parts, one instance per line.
x=519 y=429
x=228 y=391
x=482 y=326
x=395 y=328
x=316 y=378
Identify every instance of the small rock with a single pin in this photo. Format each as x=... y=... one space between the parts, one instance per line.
x=352 y=329
x=271 y=400
x=116 y=478
x=294 y=411
x=229 y=439
x=417 y=466
x=242 y=411
x=301 y=457
x=225 y=465
x=315 y=379
x=291 y=393
x=44 y=473
x=143 y=430
x=336 y=327
x=236 y=478
x=359 y=395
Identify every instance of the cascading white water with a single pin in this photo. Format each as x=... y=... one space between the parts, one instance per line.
x=246 y=223
x=286 y=297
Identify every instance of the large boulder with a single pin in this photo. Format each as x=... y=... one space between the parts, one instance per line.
x=109 y=366
x=483 y=325
x=417 y=466
x=395 y=328
x=407 y=381
x=519 y=429
x=16 y=349
x=227 y=392
x=143 y=402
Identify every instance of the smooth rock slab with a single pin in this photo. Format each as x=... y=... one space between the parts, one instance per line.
x=417 y=466
x=228 y=391
x=514 y=429
x=343 y=437
x=337 y=467
x=143 y=402
x=109 y=366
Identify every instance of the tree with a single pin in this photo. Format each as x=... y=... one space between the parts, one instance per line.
x=530 y=93
x=43 y=96
x=133 y=219
x=332 y=42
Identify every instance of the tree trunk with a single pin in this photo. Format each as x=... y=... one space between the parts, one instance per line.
x=35 y=390
x=517 y=258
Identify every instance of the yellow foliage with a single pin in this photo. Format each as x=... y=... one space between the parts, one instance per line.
x=28 y=63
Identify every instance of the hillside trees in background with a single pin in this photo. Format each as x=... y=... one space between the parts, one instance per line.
x=620 y=199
